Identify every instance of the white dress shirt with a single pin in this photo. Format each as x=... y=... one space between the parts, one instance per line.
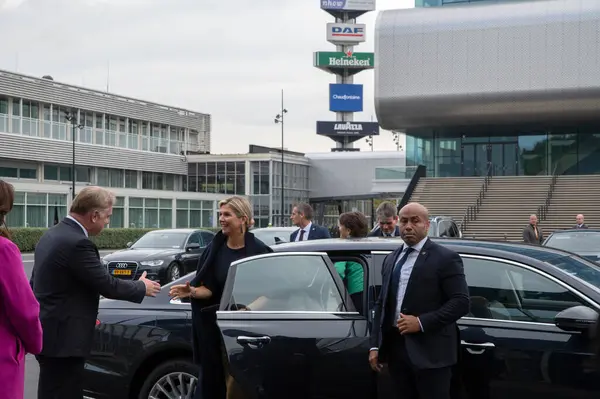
x=306 y=232
x=407 y=269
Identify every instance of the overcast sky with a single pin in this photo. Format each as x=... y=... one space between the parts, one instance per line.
x=226 y=58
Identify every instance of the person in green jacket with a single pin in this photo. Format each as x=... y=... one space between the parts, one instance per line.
x=353 y=225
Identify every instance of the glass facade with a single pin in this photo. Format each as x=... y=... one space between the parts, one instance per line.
x=216 y=177
x=505 y=151
x=36 y=119
x=195 y=214
x=36 y=209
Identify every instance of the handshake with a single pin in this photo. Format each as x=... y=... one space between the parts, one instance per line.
x=152 y=287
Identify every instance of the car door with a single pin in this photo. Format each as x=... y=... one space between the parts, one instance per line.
x=510 y=344
x=190 y=257
x=298 y=335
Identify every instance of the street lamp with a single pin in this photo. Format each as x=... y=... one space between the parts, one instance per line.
x=397 y=140
x=369 y=141
x=279 y=119
x=73 y=120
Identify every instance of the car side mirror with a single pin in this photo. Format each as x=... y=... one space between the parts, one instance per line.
x=192 y=246
x=576 y=319
x=129 y=244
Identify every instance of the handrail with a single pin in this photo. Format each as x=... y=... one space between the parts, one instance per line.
x=472 y=210
x=542 y=210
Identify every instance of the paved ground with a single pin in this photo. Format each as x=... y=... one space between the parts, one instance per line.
x=31 y=366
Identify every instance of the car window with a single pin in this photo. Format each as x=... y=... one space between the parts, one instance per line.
x=504 y=291
x=268 y=236
x=454 y=232
x=285 y=283
x=576 y=242
x=207 y=237
x=194 y=238
x=444 y=229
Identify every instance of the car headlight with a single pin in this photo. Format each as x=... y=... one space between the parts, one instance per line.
x=152 y=262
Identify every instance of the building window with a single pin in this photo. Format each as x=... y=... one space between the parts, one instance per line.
x=83 y=174
x=9 y=172
x=131 y=177
x=117 y=220
x=150 y=213
x=194 y=214
x=57 y=172
x=37 y=209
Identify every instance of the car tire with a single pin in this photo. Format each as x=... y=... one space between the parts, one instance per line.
x=170 y=271
x=173 y=368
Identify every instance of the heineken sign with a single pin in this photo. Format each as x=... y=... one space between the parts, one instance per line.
x=339 y=60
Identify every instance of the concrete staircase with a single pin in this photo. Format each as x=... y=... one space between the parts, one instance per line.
x=507 y=205
x=447 y=196
x=573 y=195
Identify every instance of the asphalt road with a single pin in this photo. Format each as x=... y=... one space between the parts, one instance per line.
x=31 y=366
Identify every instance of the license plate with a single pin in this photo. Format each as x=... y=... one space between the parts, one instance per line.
x=121 y=272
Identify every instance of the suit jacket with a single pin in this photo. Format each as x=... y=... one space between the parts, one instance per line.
x=20 y=328
x=583 y=226
x=379 y=233
x=529 y=235
x=68 y=279
x=316 y=233
x=438 y=294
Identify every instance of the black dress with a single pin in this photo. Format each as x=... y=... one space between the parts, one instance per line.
x=212 y=273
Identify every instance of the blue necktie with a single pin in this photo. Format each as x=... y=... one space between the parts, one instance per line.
x=396 y=278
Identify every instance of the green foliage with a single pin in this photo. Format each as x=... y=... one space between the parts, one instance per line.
x=27 y=238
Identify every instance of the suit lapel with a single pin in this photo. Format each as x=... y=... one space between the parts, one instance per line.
x=418 y=267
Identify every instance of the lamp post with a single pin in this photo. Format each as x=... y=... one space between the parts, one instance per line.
x=279 y=119
x=369 y=141
x=397 y=140
x=73 y=120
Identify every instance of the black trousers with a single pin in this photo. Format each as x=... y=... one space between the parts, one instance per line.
x=60 y=377
x=211 y=381
x=411 y=383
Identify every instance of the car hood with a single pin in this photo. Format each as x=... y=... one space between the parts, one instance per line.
x=134 y=254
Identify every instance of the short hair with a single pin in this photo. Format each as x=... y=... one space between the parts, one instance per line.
x=305 y=209
x=386 y=210
x=356 y=222
x=241 y=207
x=7 y=199
x=92 y=198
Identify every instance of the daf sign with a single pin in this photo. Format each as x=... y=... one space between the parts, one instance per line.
x=348 y=34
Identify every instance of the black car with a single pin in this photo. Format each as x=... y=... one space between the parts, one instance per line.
x=583 y=242
x=525 y=337
x=165 y=255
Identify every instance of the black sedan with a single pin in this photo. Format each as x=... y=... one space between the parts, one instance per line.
x=583 y=242
x=526 y=335
x=165 y=255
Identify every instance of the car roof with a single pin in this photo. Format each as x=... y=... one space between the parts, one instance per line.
x=281 y=228
x=576 y=231
x=187 y=231
x=508 y=250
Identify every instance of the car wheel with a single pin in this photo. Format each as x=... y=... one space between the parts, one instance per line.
x=173 y=272
x=173 y=379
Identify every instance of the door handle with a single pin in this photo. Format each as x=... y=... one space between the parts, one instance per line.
x=258 y=342
x=483 y=347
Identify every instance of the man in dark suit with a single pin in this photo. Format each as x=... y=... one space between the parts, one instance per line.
x=387 y=221
x=302 y=215
x=580 y=222
x=532 y=233
x=67 y=280
x=423 y=293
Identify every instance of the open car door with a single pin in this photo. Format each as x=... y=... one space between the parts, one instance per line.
x=290 y=330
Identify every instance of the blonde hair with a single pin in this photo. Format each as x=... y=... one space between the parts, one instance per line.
x=241 y=207
x=92 y=198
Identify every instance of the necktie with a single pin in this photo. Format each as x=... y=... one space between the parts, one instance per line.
x=301 y=235
x=536 y=233
x=396 y=278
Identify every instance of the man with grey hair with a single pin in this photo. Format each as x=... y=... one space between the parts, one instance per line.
x=387 y=221
x=580 y=222
x=67 y=280
x=302 y=215
x=532 y=233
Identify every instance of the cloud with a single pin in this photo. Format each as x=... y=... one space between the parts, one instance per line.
x=201 y=55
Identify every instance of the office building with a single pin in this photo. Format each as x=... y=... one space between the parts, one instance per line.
x=137 y=148
x=504 y=88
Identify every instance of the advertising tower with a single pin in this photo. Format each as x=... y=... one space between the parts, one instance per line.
x=345 y=97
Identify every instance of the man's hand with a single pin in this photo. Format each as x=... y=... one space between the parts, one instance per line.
x=152 y=287
x=374 y=360
x=408 y=324
x=181 y=291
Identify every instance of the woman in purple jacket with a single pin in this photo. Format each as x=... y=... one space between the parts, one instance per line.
x=20 y=327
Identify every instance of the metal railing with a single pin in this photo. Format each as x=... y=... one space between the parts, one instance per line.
x=542 y=210
x=472 y=210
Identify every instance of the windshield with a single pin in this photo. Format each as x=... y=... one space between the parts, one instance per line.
x=577 y=242
x=161 y=240
x=577 y=267
x=268 y=235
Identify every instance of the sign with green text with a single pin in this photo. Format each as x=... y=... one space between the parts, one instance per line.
x=329 y=60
